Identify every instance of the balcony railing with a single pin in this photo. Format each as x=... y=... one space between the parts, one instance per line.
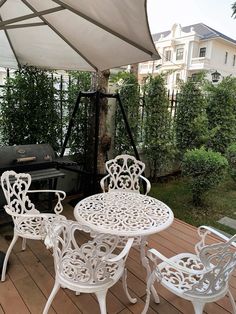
x=199 y=63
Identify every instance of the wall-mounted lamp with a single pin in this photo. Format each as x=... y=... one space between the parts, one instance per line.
x=158 y=66
x=215 y=76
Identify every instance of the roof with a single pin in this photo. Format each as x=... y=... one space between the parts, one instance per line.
x=204 y=31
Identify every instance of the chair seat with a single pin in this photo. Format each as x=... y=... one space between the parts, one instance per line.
x=181 y=283
x=176 y=280
x=34 y=227
x=74 y=272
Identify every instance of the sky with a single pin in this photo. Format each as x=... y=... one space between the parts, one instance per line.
x=214 y=13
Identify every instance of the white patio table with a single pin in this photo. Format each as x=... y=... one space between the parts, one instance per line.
x=125 y=214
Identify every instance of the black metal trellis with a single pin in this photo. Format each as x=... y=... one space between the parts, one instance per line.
x=98 y=96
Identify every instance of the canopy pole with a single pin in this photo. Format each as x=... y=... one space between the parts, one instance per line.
x=71 y=123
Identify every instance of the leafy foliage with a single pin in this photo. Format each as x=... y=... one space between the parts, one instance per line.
x=205 y=169
x=78 y=141
x=29 y=111
x=191 y=118
x=234 y=9
x=231 y=156
x=158 y=137
x=221 y=112
x=129 y=94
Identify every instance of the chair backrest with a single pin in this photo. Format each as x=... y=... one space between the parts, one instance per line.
x=15 y=187
x=84 y=263
x=220 y=260
x=124 y=173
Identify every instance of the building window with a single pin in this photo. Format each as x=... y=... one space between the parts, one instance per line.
x=168 y=55
x=202 y=52
x=234 y=57
x=226 y=57
x=180 y=54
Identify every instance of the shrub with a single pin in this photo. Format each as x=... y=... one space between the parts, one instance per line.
x=79 y=138
x=191 y=118
x=129 y=95
x=158 y=131
x=231 y=156
x=221 y=111
x=205 y=168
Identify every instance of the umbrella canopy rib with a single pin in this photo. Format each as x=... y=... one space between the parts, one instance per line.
x=59 y=34
x=2 y=2
x=10 y=43
x=22 y=25
x=30 y=16
x=107 y=29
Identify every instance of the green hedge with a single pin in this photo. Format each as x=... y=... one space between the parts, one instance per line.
x=205 y=169
x=231 y=156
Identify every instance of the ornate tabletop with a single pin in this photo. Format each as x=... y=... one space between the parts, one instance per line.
x=123 y=213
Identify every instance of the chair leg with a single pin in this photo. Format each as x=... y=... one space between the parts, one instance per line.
x=101 y=296
x=232 y=302
x=55 y=289
x=7 y=257
x=198 y=307
x=23 y=244
x=145 y=264
x=125 y=287
x=150 y=283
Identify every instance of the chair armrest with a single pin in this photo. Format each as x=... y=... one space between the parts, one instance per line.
x=203 y=231
x=154 y=254
x=35 y=215
x=49 y=191
x=102 y=182
x=123 y=253
x=215 y=232
x=148 y=184
x=58 y=208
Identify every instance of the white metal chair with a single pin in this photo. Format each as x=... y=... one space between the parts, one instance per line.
x=92 y=267
x=124 y=173
x=200 y=278
x=29 y=223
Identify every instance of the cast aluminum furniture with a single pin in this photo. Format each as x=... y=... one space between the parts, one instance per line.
x=200 y=278
x=125 y=174
x=29 y=223
x=125 y=214
x=92 y=267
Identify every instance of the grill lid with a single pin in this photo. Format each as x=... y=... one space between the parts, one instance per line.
x=26 y=154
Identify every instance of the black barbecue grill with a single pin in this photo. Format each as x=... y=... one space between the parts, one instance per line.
x=37 y=159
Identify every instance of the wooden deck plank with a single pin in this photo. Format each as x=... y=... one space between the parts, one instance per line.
x=11 y=300
x=1 y=309
x=44 y=280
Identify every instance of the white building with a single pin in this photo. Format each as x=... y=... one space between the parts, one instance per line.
x=188 y=50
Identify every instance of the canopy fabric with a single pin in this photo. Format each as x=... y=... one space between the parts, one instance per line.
x=87 y=35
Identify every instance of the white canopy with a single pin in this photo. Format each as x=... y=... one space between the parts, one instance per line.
x=87 y=35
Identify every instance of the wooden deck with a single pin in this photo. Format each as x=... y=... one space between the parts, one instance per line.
x=30 y=278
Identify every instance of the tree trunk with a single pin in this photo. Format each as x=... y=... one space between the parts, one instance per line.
x=134 y=70
x=100 y=83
